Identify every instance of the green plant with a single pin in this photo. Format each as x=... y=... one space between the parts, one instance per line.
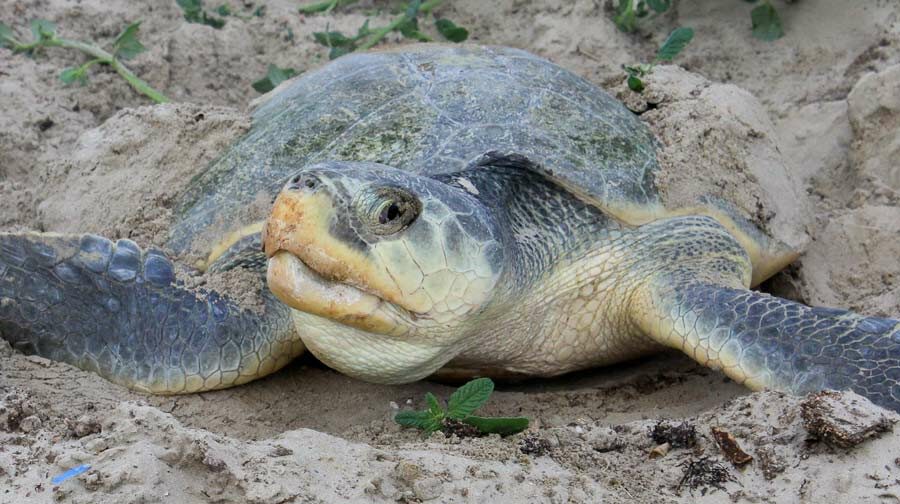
x=274 y=77
x=324 y=6
x=195 y=13
x=225 y=11
x=628 y=12
x=126 y=46
x=407 y=24
x=674 y=44
x=462 y=403
x=765 y=22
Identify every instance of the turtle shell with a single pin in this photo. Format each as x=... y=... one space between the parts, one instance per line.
x=429 y=109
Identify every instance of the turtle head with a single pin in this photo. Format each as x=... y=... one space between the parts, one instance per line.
x=389 y=271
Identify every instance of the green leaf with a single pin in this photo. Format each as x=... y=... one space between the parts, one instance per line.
x=641 y=9
x=42 y=29
x=434 y=406
x=194 y=13
x=73 y=74
x=191 y=9
x=635 y=83
x=323 y=6
x=412 y=10
x=451 y=31
x=625 y=17
x=424 y=420
x=127 y=45
x=638 y=70
x=332 y=39
x=337 y=52
x=469 y=398
x=417 y=419
x=363 y=30
x=223 y=10
x=766 y=23
x=677 y=41
x=659 y=5
x=504 y=426
x=409 y=28
x=7 y=37
x=274 y=77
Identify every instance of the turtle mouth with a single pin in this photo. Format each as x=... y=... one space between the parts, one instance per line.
x=299 y=286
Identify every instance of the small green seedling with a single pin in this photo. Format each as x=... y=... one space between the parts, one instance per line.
x=628 y=12
x=764 y=18
x=324 y=6
x=460 y=407
x=407 y=24
x=274 y=77
x=765 y=22
x=225 y=11
x=677 y=41
x=126 y=46
x=195 y=13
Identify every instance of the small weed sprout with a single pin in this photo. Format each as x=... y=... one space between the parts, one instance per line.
x=462 y=403
x=628 y=12
x=195 y=13
x=126 y=46
x=677 y=41
x=407 y=24
x=274 y=77
x=765 y=23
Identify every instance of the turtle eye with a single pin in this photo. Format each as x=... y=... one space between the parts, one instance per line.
x=388 y=210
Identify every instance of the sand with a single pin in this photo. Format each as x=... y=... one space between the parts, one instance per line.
x=801 y=134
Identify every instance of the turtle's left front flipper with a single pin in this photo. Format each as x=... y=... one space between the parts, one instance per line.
x=112 y=308
x=767 y=342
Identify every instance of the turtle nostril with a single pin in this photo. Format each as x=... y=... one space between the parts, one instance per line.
x=303 y=181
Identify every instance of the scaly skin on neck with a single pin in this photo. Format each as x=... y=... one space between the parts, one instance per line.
x=572 y=272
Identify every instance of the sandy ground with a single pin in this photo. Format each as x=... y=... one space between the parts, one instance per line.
x=802 y=134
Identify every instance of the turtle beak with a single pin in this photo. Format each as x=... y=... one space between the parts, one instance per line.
x=312 y=271
x=300 y=223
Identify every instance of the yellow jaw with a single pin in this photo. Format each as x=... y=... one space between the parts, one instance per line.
x=299 y=223
x=313 y=272
x=302 y=289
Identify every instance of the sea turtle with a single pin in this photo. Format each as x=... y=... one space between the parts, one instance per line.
x=467 y=210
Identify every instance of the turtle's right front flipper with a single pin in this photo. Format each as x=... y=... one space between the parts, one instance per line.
x=112 y=308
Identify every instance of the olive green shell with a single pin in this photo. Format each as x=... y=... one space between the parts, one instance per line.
x=429 y=109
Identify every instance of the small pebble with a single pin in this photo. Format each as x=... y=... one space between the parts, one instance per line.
x=428 y=488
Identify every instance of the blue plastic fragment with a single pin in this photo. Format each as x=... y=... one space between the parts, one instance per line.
x=71 y=473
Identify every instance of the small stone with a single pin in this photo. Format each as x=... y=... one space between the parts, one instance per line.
x=83 y=426
x=394 y=406
x=660 y=451
x=30 y=424
x=97 y=445
x=407 y=471
x=428 y=488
